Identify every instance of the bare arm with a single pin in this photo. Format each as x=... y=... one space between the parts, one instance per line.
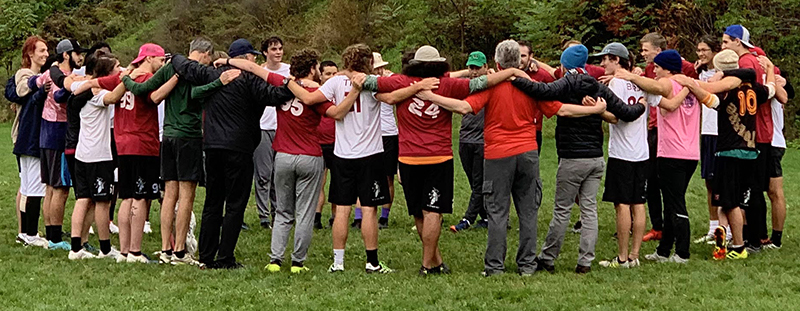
x=399 y=95
x=163 y=91
x=114 y=96
x=671 y=104
x=86 y=86
x=576 y=111
x=546 y=67
x=339 y=111
x=454 y=105
x=658 y=87
x=305 y=96
x=503 y=75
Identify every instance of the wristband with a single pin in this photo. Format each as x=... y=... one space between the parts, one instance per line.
x=228 y=61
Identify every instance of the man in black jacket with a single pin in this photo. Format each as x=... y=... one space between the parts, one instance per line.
x=231 y=134
x=579 y=142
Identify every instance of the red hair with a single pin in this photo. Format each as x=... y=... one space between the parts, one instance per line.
x=28 y=48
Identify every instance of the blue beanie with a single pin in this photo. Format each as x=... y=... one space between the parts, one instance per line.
x=575 y=57
x=669 y=60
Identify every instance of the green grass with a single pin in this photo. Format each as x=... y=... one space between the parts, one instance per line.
x=45 y=280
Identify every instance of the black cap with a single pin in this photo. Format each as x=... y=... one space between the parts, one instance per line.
x=241 y=47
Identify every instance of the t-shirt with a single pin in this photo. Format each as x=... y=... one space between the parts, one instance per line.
x=778 y=140
x=326 y=131
x=358 y=135
x=542 y=75
x=388 y=123
x=53 y=111
x=709 y=115
x=508 y=125
x=94 y=142
x=679 y=130
x=687 y=69
x=471 y=128
x=628 y=140
x=297 y=127
x=135 y=120
x=764 y=116
x=425 y=128
x=738 y=114
x=269 y=120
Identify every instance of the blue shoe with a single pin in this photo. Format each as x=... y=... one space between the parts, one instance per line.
x=63 y=245
x=483 y=223
x=89 y=248
x=462 y=225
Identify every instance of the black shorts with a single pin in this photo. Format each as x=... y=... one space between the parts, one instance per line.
x=708 y=147
x=390 y=153
x=138 y=177
x=181 y=159
x=361 y=179
x=428 y=187
x=71 y=167
x=774 y=167
x=733 y=182
x=761 y=167
x=626 y=182
x=327 y=154
x=55 y=170
x=94 y=180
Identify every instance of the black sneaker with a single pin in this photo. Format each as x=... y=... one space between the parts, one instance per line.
x=318 y=224
x=383 y=223
x=356 y=223
x=577 y=227
x=583 y=269
x=462 y=225
x=482 y=224
x=444 y=268
x=232 y=266
x=541 y=265
x=265 y=224
x=330 y=222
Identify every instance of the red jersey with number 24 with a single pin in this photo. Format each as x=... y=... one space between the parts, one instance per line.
x=425 y=129
x=297 y=127
x=135 y=120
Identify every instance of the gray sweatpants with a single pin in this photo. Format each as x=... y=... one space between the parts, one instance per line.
x=298 y=179
x=264 y=160
x=575 y=178
x=514 y=177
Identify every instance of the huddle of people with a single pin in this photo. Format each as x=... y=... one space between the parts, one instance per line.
x=229 y=122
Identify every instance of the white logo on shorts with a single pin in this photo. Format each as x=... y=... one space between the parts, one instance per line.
x=140 y=185
x=99 y=185
x=376 y=188
x=434 y=196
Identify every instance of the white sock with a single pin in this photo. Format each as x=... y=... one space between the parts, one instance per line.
x=338 y=257
x=728 y=236
x=712 y=225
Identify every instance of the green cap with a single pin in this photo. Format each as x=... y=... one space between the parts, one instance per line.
x=476 y=58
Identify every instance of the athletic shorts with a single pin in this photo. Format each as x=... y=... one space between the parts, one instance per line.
x=327 y=154
x=181 y=159
x=361 y=178
x=94 y=180
x=30 y=176
x=428 y=187
x=708 y=147
x=55 y=171
x=138 y=177
x=733 y=183
x=774 y=167
x=391 y=149
x=626 y=182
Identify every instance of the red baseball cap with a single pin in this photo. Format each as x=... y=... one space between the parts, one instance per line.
x=149 y=49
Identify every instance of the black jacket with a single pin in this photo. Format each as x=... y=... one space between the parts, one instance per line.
x=232 y=113
x=30 y=116
x=579 y=137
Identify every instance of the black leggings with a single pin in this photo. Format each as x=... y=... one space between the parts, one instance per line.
x=674 y=176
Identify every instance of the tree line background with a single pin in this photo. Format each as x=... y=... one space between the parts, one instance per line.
x=455 y=27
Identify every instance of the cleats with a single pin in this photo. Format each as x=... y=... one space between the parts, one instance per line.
x=652 y=235
x=81 y=254
x=297 y=270
x=615 y=263
x=335 y=268
x=381 y=268
x=734 y=255
x=63 y=245
x=656 y=257
x=274 y=267
x=720 y=243
x=462 y=225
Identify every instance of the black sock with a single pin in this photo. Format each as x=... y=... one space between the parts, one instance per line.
x=317 y=217
x=297 y=264
x=57 y=234
x=737 y=249
x=776 y=237
x=76 y=244
x=139 y=253
x=105 y=246
x=32 y=208
x=169 y=252
x=48 y=233
x=124 y=254
x=23 y=222
x=180 y=254
x=744 y=232
x=372 y=257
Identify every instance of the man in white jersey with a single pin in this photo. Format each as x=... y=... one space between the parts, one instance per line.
x=390 y=140
x=626 y=176
x=264 y=156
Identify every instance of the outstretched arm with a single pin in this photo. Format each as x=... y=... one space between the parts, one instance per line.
x=454 y=105
x=560 y=89
x=192 y=71
x=658 y=87
x=620 y=109
x=399 y=95
x=308 y=98
x=164 y=90
x=245 y=65
x=576 y=111
x=114 y=96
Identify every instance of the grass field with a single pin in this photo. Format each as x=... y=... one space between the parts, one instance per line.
x=37 y=279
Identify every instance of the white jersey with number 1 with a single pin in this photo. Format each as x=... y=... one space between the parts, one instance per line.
x=358 y=135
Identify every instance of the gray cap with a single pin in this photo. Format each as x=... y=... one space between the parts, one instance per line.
x=68 y=45
x=616 y=49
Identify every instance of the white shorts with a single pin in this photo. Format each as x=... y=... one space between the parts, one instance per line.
x=30 y=177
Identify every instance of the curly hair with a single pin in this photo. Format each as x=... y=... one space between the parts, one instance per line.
x=358 y=58
x=304 y=62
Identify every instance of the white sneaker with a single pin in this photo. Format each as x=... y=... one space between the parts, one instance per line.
x=186 y=260
x=656 y=257
x=164 y=258
x=81 y=254
x=136 y=259
x=36 y=241
x=21 y=239
x=112 y=228
x=122 y=258
x=336 y=268
x=147 y=228
x=113 y=254
x=677 y=259
x=632 y=263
